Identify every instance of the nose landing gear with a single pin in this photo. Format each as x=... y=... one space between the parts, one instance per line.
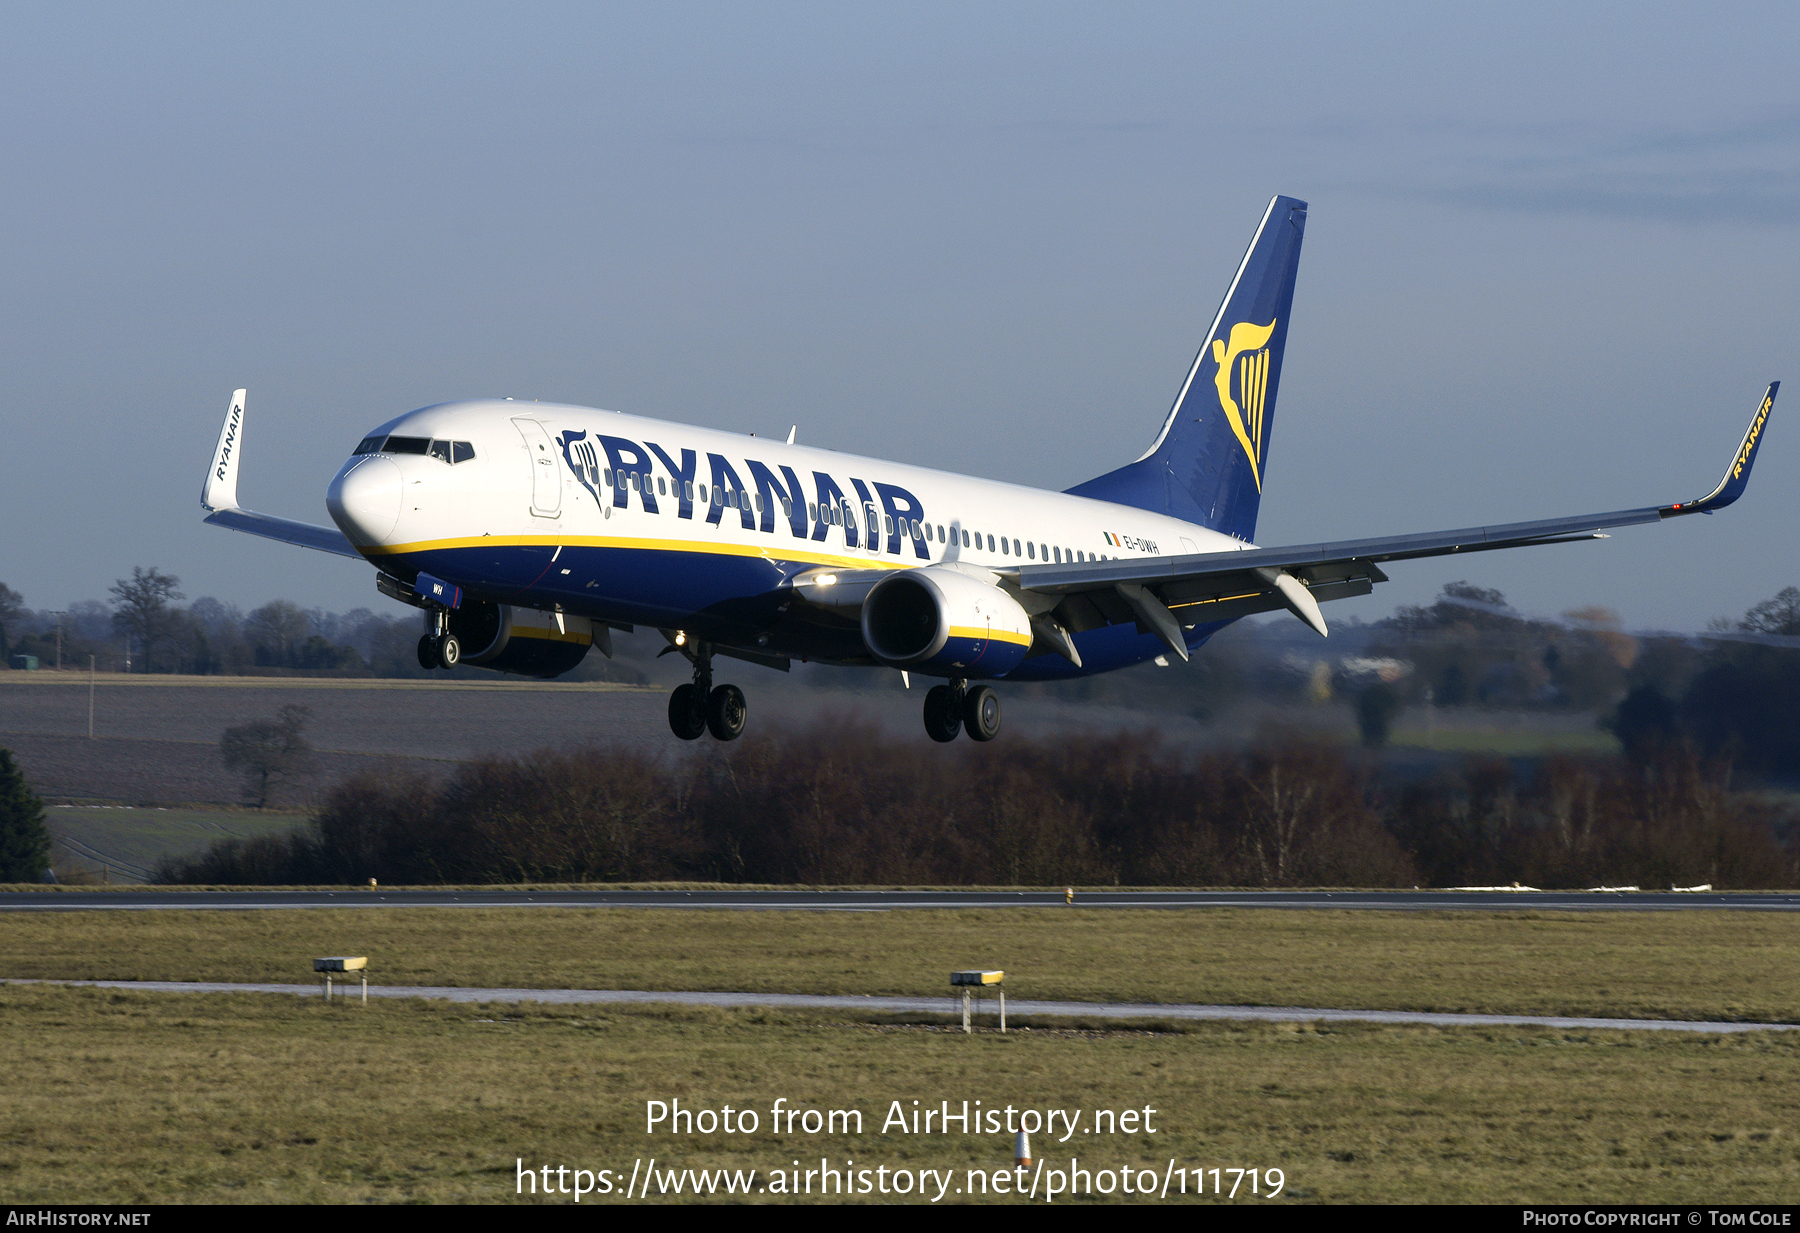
x=441 y=649
x=700 y=707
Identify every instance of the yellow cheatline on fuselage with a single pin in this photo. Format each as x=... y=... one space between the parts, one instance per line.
x=810 y=557
x=1253 y=383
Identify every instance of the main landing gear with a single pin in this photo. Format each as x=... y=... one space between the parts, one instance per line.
x=953 y=706
x=700 y=707
x=441 y=649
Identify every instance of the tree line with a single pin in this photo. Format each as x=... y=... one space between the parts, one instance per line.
x=146 y=628
x=1732 y=691
x=843 y=805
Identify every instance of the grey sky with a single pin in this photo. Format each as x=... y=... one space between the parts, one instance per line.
x=1549 y=266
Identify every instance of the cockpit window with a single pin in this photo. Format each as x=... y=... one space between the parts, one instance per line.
x=449 y=451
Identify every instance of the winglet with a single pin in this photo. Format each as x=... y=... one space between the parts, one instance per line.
x=219 y=495
x=219 y=492
x=1737 y=475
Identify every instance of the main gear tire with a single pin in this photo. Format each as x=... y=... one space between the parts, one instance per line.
x=687 y=713
x=726 y=713
x=943 y=714
x=981 y=713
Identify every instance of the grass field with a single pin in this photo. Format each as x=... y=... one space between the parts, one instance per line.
x=156 y=737
x=130 y=840
x=121 y=1096
x=132 y=1098
x=1680 y=965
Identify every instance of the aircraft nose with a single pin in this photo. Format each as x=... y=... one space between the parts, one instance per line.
x=365 y=501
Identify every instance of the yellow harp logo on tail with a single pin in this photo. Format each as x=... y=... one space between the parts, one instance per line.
x=1247 y=357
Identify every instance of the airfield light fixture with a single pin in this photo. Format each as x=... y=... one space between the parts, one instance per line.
x=326 y=967
x=972 y=982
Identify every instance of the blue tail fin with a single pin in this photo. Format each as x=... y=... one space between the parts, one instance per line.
x=1206 y=465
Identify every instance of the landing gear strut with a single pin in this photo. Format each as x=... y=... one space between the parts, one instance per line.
x=700 y=707
x=956 y=706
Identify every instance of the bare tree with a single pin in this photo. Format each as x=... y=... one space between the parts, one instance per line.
x=268 y=752
x=143 y=612
x=276 y=629
x=1780 y=615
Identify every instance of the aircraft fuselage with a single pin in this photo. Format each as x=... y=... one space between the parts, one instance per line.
x=630 y=520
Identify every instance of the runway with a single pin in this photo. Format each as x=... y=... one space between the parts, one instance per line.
x=140 y=899
x=941 y=1005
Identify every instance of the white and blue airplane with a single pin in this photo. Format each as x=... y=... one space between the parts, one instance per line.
x=528 y=532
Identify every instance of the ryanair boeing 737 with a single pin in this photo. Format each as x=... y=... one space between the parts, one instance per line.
x=528 y=532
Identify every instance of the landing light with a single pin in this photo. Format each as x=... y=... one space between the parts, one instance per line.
x=680 y=638
x=825 y=580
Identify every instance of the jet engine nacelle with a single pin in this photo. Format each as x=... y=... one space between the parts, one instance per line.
x=520 y=640
x=945 y=623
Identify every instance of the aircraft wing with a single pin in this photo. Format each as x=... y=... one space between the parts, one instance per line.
x=219 y=495
x=1165 y=595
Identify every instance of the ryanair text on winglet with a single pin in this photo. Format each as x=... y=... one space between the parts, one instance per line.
x=1750 y=438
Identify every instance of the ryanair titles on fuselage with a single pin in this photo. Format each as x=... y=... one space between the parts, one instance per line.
x=711 y=487
x=769 y=493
